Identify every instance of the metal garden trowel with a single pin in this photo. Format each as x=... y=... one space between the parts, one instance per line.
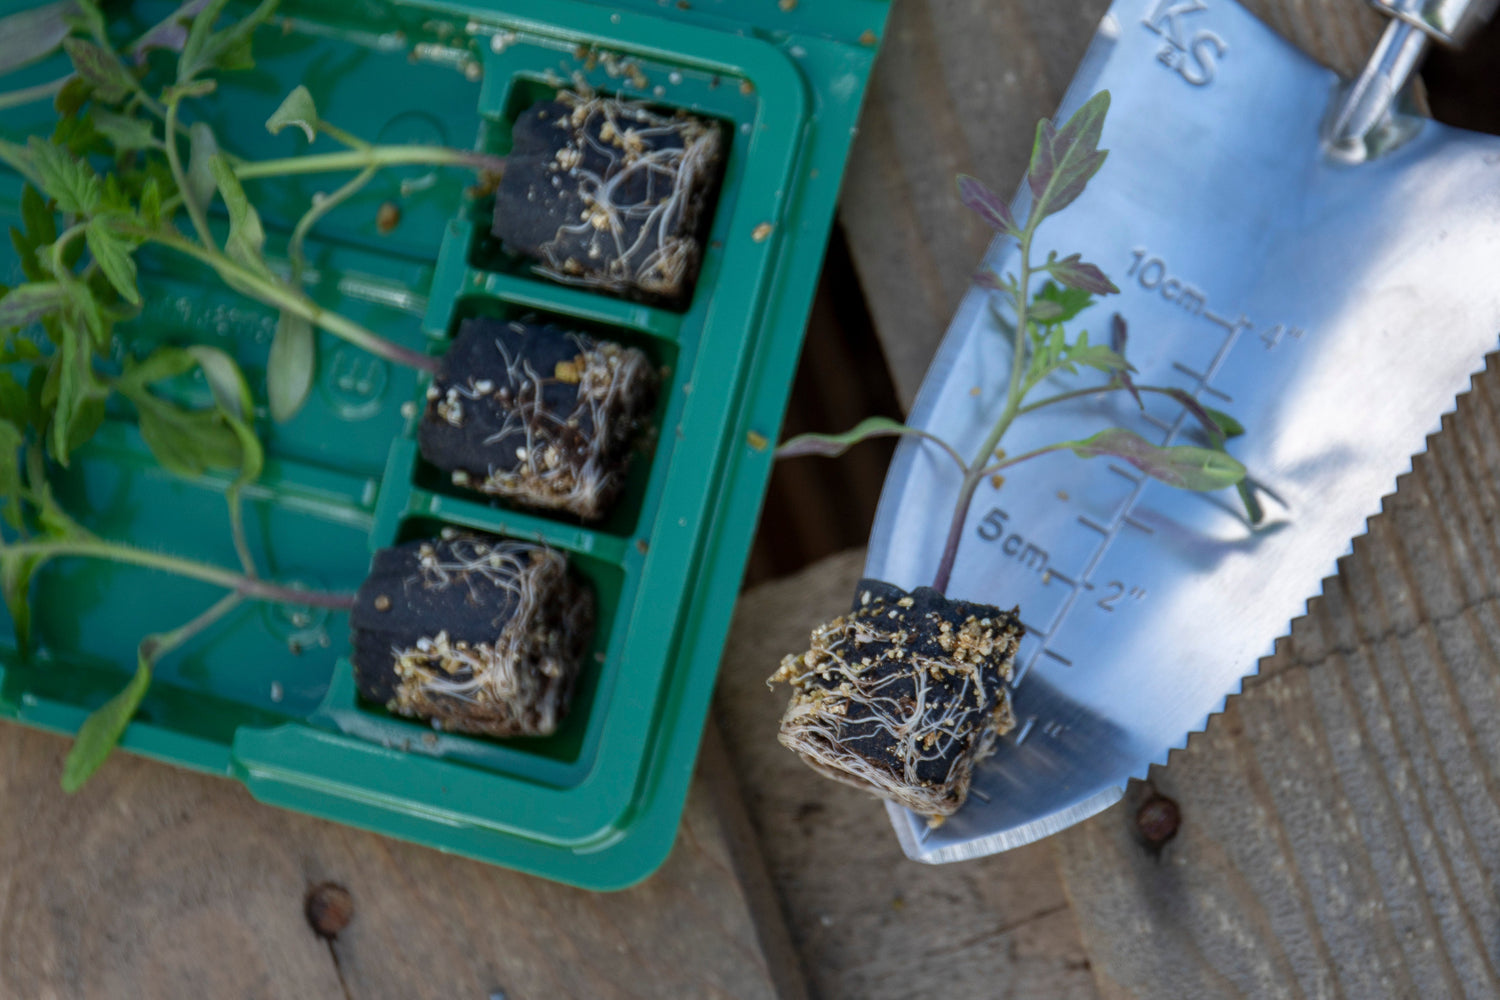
x=1295 y=250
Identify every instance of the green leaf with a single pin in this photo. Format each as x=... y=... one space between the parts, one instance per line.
x=11 y=439
x=246 y=235
x=1228 y=426
x=186 y=442
x=151 y=203
x=202 y=148
x=102 y=730
x=19 y=159
x=74 y=381
x=1063 y=160
x=102 y=69
x=228 y=49
x=84 y=308
x=14 y=406
x=72 y=97
x=290 y=369
x=40 y=223
x=15 y=584
x=1183 y=466
x=26 y=304
x=1069 y=301
x=71 y=182
x=298 y=109
x=162 y=363
x=125 y=132
x=831 y=445
x=113 y=256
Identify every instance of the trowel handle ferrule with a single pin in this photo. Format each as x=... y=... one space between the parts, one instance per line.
x=1365 y=105
x=1449 y=22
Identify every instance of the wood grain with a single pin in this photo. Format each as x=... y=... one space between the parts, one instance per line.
x=870 y=924
x=1341 y=821
x=154 y=882
x=958 y=88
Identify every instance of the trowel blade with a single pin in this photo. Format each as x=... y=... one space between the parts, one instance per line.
x=1334 y=309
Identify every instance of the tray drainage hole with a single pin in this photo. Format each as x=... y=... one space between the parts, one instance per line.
x=300 y=626
x=354 y=382
x=415 y=128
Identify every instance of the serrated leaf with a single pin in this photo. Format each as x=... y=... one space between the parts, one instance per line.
x=228 y=49
x=114 y=258
x=290 y=369
x=102 y=730
x=1183 y=466
x=38 y=219
x=30 y=35
x=123 y=131
x=298 y=109
x=246 y=235
x=202 y=148
x=831 y=445
x=1069 y=301
x=1075 y=273
x=26 y=304
x=106 y=76
x=18 y=158
x=151 y=203
x=70 y=182
x=1063 y=161
x=984 y=203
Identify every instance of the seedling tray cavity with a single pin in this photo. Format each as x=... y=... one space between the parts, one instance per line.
x=268 y=695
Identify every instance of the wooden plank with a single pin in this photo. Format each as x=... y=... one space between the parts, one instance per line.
x=1341 y=821
x=870 y=924
x=155 y=882
x=958 y=88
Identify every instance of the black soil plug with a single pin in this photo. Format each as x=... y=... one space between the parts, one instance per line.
x=611 y=195
x=903 y=695
x=474 y=633
x=536 y=414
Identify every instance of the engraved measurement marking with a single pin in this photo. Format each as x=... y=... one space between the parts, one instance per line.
x=1194 y=55
x=1118 y=590
x=1053 y=729
x=1025 y=730
x=1154 y=275
x=1151 y=274
x=993 y=528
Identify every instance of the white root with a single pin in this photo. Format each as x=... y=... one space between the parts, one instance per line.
x=864 y=696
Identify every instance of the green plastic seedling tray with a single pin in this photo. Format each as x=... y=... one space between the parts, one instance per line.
x=268 y=695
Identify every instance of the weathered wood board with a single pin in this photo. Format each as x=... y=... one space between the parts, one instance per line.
x=871 y=925
x=155 y=882
x=1341 y=821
